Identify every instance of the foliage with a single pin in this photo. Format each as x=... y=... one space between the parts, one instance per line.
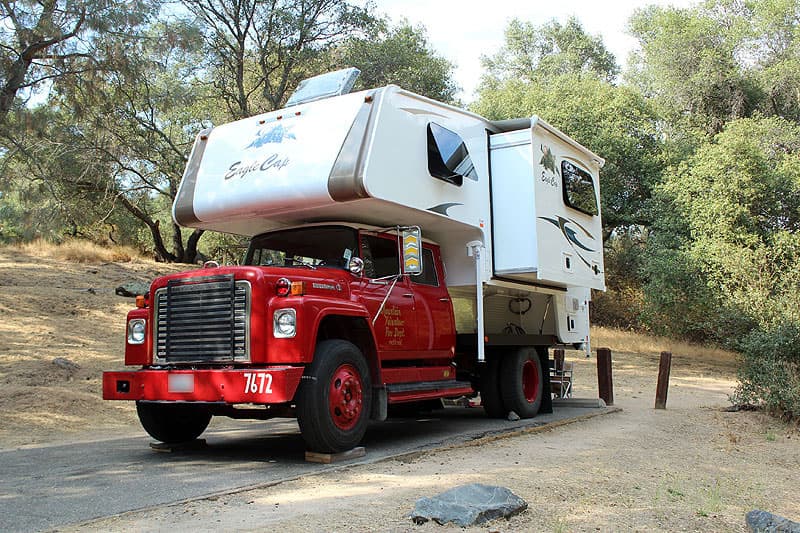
x=770 y=370
x=105 y=153
x=532 y=53
x=45 y=40
x=740 y=198
x=399 y=55
x=259 y=51
x=719 y=60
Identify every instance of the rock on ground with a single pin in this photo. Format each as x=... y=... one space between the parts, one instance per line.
x=764 y=522
x=469 y=505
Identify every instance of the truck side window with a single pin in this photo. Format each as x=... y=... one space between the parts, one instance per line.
x=448 y=158
x=578 y=188
x=380 y=256
x=428 y=276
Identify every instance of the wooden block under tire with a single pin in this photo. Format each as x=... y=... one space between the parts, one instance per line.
x=163 y=447
x=328 y=458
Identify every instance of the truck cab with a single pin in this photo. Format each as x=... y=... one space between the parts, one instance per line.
x=327 y=302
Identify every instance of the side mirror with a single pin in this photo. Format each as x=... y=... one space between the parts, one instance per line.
x=356 y=266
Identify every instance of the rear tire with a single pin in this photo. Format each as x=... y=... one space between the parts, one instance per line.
x=334 y=399
x=491 y=399
x=522 y=382
x=173 y=422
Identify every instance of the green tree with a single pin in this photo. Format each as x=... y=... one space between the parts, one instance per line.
x=400 y=55
x=532 y=53
x=739 y=196
x=44 y=40
x=728 y=255
x=259 y=51
x=719 y=61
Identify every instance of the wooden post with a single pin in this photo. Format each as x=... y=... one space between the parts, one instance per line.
x=605 y=383
x=558 y=359
x=663 y=380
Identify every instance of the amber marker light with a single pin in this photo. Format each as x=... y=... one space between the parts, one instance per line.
x=298 y=288
x=140 y=301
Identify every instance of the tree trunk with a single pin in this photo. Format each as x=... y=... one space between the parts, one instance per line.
x=155 y=230
x=191 y=245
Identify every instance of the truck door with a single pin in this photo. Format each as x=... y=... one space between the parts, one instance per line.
x=433 y=309
x=395 y=326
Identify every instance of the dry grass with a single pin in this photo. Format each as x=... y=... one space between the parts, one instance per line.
x=80 y=251
x=632 y=342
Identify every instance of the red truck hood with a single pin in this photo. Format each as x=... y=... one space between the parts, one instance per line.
x=324 y=281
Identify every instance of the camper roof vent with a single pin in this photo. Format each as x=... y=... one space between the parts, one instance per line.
x=324 y=86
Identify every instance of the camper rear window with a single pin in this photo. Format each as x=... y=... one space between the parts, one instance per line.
x=448 y=158
x=578 y=188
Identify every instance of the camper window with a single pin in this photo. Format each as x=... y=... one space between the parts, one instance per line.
x=448 y=158
x=428 y=276
x=578 y=188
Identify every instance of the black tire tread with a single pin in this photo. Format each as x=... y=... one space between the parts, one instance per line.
x=173 y=423
x=491 y=399
x=511 y=388
x=316 y=427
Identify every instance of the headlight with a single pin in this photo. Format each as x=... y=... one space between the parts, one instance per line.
x=136 y=331
x=284 y=323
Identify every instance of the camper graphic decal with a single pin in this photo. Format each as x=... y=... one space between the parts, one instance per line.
x=276 y=134
x=548 y=161
x=442 y=208
x=571 y=235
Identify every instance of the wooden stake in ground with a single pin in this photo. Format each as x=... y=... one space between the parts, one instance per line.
x=605 y=383
x=664 y=366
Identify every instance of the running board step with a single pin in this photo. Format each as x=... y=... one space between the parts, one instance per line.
x=426 y=390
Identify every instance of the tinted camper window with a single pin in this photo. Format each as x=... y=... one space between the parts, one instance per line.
x=448 y=158
x=578 y=188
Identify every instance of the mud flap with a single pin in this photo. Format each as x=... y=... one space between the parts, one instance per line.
x=547 y=396
x=380 y=404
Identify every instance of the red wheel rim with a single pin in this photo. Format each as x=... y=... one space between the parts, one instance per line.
x=345 y=397
x=530 y=381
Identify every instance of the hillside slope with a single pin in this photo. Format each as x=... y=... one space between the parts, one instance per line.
x=50 y=308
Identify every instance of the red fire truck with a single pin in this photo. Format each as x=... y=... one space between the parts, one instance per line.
x=401 y=251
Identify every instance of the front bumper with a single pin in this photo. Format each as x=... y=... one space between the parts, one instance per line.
x=266 y=385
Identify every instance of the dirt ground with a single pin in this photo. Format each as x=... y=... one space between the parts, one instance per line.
x=690 y=467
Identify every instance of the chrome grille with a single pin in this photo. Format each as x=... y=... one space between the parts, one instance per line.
x=203 y=319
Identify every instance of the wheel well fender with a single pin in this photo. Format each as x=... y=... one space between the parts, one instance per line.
x=354 y=329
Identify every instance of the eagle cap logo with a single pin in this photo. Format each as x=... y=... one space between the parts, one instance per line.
x=274 y=135
x=548 y=160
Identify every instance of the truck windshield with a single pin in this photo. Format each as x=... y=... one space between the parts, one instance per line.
x=311 y=247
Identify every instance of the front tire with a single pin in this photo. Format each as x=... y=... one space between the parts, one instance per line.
x=522 y=382
x=173 y=422
x=334 y=398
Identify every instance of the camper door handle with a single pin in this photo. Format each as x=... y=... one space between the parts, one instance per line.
x=408 y=295
x=444 y=299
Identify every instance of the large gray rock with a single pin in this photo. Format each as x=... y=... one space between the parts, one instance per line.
x=764 y=522
x=132 y=288
x=469 y=505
